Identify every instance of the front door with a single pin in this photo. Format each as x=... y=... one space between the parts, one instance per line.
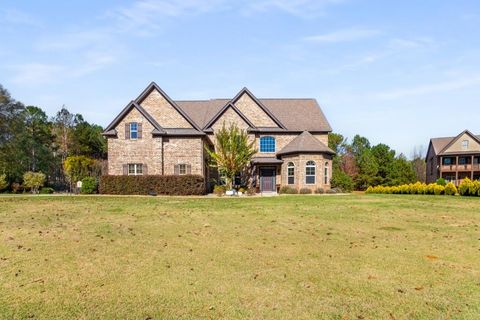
x=267 y=179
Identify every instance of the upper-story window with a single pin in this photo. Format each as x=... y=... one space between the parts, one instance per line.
x=133 y=130
x=465 y=144
x=310 y=172
x=267 y=144
x=291 y=173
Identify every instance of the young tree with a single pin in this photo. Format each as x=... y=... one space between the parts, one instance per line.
x=63 y=124
x=3 y=182
x=78 y=167
x=419 y=165
x=33 y=180
x=233 y=152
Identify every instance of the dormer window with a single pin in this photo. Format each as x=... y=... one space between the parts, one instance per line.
x=465 y=144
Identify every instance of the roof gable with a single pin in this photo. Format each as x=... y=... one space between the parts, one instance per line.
x=222 y=111
x=164 y=109
x=243 y=101
x=455 y=145
x=110 y=129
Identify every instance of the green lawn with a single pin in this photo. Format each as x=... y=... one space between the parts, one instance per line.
x=288 y=257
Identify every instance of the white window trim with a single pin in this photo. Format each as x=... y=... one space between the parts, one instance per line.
x=274 y=144
x=314 y=166
x=465 y=144
x=180 y=166
x=292 y=166
x=327 y=174
x=135 y=172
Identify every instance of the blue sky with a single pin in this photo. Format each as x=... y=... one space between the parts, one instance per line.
x=397 y=72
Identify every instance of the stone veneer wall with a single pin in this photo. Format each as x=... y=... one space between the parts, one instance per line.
x=147 y=150
x=163 y=112
x=253 y=112
x=300 y=161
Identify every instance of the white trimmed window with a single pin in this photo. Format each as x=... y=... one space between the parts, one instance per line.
x=135 y=169
x=182 y=169
x=133 y=130
x=291 y=173
x=310 y=172
x=326 y=176
x=465 y=144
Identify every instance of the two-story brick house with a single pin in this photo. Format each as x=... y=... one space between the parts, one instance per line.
x=454 y=158
x=156 y=135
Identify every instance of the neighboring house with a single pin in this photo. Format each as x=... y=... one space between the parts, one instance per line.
x=454 y=158
x=156 y=135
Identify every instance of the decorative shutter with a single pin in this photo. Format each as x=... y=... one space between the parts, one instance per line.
x=139 y=128
x=176 y=170
x=145 y=169
x=189 y=169
x=125 y=169
x=127 y=130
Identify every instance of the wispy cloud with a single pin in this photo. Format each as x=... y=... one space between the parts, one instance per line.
x=450 y=85
x=36 y=73
x=345 y=35
x=17 y=17
x=300 y=8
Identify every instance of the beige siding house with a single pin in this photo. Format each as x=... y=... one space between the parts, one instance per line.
x=454 y=158
x=155 y=135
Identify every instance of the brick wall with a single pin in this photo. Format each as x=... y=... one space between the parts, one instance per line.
x=163 y=112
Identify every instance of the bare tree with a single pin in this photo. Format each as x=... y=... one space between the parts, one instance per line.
x=418 y=162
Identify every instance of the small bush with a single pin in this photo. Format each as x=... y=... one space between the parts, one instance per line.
x=465 y=186
x=331 y=191
x=305 y=191
x=450 y=189
x=319 y=191
x=242 y=190
x=144 y=185
x=16 y=187
x=89 y=185
x=441 y=182
x=33 y=180
x=288 y=190
x=251 y=191
x=3 y=182
x=219 y=190
x=46 y=190
x=439 y=189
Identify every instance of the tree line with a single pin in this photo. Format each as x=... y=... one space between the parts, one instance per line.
x=30 y=141
x=358 y=165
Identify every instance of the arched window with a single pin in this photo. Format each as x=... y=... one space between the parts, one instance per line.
x=267 y=144
x=291 y=173
x=310 y=172
x=326 y=177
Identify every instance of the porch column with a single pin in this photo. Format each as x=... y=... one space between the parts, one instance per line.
x=440 y=168
x=471 y=167
x=456 y=172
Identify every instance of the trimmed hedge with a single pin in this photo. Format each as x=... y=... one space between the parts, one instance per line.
x=288 y=190
x=152 y=184
x=416 y=188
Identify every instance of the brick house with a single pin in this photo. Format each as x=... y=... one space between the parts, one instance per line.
x=155 y=135
x=454 y=158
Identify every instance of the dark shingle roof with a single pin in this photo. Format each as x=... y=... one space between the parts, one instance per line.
x=439 y=144
x=305 y=143
x=295 y=114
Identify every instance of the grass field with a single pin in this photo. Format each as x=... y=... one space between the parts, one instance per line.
x=289 y=257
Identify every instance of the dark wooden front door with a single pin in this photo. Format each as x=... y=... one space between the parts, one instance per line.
x=267 y=179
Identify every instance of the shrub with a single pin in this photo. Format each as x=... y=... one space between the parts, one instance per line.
x=331 y=191
x=464 y=187
x=305 y=191
x=474 y=188
x=251 y=191
x=370 y=189
x=342 y=180
x=3 y=182
x=143 y=185
x=439 y=189
x=46 y=190
x=441 y=182
x=319 y=191
x=450 y=189
x=16 y=187
x=89 y=185
x=219 y=190
x=242 y=190
x=33 y=180
x=288 y=190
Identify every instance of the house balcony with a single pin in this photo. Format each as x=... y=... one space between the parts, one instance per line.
x=460 y=167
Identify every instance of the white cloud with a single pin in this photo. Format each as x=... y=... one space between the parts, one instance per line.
x=301 y=8
x=17 y=17
x=345 y=35
x=36 y=73
x=451 y=85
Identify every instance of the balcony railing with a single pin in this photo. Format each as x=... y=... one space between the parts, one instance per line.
x=461 y=167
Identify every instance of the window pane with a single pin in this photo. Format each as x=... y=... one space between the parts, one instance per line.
x=139 y=169
x=182 y=169
x=291 y=180
x=131 y=169
x=310 y=171
x=133 y=130
x=310 y=180
x=267 y=144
